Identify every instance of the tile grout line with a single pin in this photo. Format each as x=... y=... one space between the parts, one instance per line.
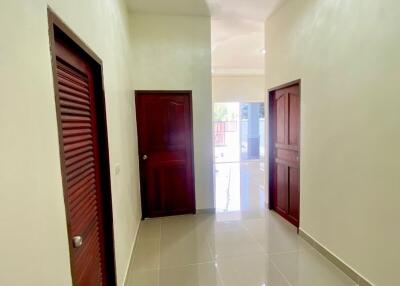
x=212 y=261
x=279 y=271
x=252 y=236
x=215 y=261
x=269 y=257
x=176 y=266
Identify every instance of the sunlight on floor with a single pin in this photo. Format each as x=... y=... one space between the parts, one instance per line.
x=239 y=186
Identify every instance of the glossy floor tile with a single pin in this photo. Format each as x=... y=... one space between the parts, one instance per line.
x=192 y=275
x=150 y=230
x=240 y=187
x=243 y=244
x=275 y=236
x=233 y=242
x=143 y=277
x=250 y=270
x=146 y=255
x=186 y=250
x=309 y=268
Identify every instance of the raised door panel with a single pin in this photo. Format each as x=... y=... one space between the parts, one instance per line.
x=165 y=124
x=175 y=195
x=281 y=120
x=281 y=188
x=177 y=123
x=294 y=119
x=294 y=194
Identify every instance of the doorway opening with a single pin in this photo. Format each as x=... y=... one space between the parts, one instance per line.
x=239 y=131
x=239 y=140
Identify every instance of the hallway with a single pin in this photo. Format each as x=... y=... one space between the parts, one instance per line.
x=243 y=244
x=199 y=143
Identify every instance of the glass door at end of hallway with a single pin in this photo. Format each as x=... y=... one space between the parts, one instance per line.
x=239 y=131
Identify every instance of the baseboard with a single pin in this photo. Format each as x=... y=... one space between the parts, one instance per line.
x=131 y=252
x=335 y=260
x=206 y=211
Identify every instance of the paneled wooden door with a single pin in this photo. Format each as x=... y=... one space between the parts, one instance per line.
x=165 y=134
x=84 y=160
x=284 y=151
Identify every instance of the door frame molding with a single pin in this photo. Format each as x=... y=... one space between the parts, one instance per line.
x=271 y=145
x=55 y=23
x=141 y=169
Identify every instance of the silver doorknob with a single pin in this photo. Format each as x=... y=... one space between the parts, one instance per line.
x=77 y=241
x=144 y=157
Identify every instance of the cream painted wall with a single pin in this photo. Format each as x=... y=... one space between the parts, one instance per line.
x=346 y=54
x=174 y=53
x=238 y=88
x=33 y=240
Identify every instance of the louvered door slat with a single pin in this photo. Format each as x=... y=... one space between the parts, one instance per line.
x=84 y=214
x=67 y=125
x=73 y=92
x=89 y=173
x=74 y=111
x=89 y=258
x=74 y=119
x=66 y=77
x=74 y=194
x=77 y=146
x=77 y=138
x=78 y=87
x=69 y=102
x=77 y=169
x=81 y=173
x=76 y=131
x=74 y=153
x=78 y=157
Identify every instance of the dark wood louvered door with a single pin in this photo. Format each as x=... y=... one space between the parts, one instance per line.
x=165 y=135
x=284 y=152
x=84 y=166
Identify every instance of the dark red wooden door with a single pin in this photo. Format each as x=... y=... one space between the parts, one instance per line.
x=164 y=122
x=285 y=139
x=81 y=166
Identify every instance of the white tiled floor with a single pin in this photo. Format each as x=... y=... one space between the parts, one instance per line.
x=241 y=245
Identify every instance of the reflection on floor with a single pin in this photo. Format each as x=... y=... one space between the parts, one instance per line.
x=241 y=245
x=240 y=187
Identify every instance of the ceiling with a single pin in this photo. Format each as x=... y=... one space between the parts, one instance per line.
x=238 y=35
x=237 y=29
x=237 y=46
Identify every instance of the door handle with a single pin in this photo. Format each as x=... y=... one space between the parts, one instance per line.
x=144 y=157
x=77 y=241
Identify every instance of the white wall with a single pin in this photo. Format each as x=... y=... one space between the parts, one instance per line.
x=33 y=240
x=347 y=56
x=174 y=53
x=250 y=88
